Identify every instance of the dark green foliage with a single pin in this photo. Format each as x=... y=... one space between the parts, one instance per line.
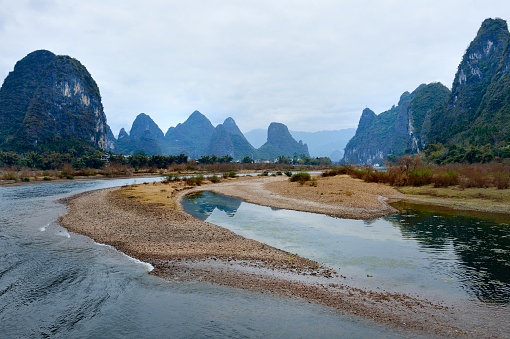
x=472 y=122
x=231 y=174
x=300 y=177
x=51 y=103
x=247 y=160
x=402 y=129
x=195 y=180
x=215 y=179
x=213 y=159
x=338 y=171
x=480 y=92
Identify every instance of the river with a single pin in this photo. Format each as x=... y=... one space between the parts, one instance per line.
x=57 y=284
x=458 y=259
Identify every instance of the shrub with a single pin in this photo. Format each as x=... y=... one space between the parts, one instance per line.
x=288 y=173
x=501 y=180
x=171 y=177
x=420 y=177
x=445 y=179
x=10 y=176
x=300 y=177
x=475 y=178
x=338 y=171
x=195 y=181
x=215 y=179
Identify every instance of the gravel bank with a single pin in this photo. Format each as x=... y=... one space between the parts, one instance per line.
x=181 y=247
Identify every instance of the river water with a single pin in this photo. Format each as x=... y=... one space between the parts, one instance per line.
x=56 y=284
x=458 y=259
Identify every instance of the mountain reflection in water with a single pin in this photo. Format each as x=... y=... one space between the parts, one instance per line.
x=448 y=254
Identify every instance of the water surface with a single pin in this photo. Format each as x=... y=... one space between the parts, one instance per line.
x=446 y=257
x=58 y=284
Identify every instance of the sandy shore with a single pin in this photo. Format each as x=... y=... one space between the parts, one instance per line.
x=146 y=222
x=340 y=196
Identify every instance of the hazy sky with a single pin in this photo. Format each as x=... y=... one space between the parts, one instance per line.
x=312 y=65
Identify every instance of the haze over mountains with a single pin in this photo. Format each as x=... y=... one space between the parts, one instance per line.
x=197 y=137
x=51 y=103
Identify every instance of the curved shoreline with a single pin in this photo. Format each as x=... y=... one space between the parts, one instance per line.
x=263 y=191
x=181 y=247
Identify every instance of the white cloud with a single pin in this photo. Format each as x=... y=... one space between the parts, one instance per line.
x=311 y=65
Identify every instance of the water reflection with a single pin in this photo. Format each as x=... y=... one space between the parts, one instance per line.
x=482 y=247
x=453 y=255
x=207 y=202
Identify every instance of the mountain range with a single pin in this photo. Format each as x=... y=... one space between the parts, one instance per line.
x=329 y=144
x=474 y=114
x=51 y=103
x=197 y=137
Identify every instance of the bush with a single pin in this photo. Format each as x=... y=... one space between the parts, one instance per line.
x=338 y=171
x=420 y=177
x=10 y=176
x=288 y=173
x=215 y=179
x=445 y=179
x=195 y=181
x=300 y=177
x=231 y=174
x=171 y=177
x=501 y=180
x=475 y=178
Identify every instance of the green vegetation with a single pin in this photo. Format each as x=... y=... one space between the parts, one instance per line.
x=300 y=177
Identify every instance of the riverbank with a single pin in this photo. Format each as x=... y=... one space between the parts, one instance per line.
x=145 y=221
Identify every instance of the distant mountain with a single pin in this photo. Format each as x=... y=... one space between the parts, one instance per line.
x=256 y=137
x=402 y=129
x=474 y=115
x=320 y=144
x=281 y=143
x=229 y=140
x=329 y=144
x=51 y=103
x=197 y=137
x=192 y=137
x=145 y=136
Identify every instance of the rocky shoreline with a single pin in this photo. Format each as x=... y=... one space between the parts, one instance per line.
x=181 y=247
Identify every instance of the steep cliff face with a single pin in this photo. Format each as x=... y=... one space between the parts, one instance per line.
x=228 y=139
x=51 y=102
x=402 y=129
x=192 y=137
x=478 y=111
x=280 y=142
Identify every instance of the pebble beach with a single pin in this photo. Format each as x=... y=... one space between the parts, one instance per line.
x=147 y=223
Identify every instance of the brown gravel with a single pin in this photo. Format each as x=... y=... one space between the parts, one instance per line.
x=181 y=247
x=340 y=196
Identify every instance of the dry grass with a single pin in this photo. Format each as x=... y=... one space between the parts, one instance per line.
x=475 y=199
x=339 y=190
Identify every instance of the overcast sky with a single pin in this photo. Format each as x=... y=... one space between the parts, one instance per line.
x=312 y=65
